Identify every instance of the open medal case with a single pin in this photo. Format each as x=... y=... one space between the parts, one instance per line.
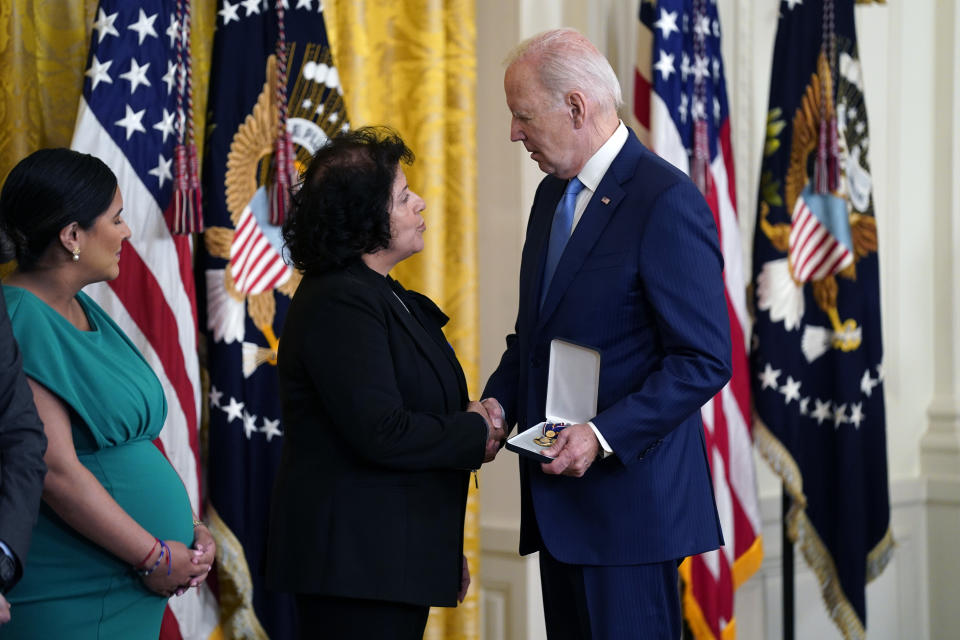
x=573 y=380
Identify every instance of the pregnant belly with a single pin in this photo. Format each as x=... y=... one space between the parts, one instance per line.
x=63 y=563
x=144 y=483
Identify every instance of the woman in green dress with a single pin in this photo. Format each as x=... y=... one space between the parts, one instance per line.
x=116 y=536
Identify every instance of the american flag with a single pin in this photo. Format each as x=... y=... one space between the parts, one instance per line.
x=128 y=118
x=680 y=102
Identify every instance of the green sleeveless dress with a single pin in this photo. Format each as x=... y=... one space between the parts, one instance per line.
x=71 y=587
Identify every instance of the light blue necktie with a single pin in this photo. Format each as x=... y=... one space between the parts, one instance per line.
x=560 y=233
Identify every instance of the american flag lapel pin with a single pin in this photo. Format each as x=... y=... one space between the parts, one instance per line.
x=605 y=200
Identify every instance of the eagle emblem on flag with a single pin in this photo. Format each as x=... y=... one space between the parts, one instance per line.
x=828 y=233
x=256 y=269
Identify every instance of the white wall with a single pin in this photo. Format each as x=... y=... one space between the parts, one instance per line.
x=910 y=54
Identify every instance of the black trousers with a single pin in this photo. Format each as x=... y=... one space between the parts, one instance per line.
x=334 y=618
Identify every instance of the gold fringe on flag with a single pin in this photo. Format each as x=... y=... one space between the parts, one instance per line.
x=801 y=532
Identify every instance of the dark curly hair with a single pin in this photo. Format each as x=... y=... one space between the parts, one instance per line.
x=48 y=190
x=342 y=209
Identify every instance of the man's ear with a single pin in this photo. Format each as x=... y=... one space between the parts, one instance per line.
x=577 y=107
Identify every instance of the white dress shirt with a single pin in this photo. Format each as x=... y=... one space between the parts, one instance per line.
x=591 y=175
x=595 y=168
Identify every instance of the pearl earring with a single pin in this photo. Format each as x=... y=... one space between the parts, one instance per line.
x=76 y=254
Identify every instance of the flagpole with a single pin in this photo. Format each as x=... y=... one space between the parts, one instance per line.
x=787 y=571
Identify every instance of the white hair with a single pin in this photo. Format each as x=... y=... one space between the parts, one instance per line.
x=567 y=61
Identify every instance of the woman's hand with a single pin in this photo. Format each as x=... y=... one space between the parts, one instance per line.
x=498 y=433
x=178 y=560
x=203 y=541
x=495 y=433
x=464 y=581
x=4 y=610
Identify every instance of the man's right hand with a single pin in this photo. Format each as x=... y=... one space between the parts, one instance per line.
x=495 y=419
x=494 y=410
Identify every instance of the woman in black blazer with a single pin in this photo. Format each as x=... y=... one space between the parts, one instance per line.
x=366 y=525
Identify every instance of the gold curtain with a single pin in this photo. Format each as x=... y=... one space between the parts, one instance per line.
x=411 y=64
x=43 y=48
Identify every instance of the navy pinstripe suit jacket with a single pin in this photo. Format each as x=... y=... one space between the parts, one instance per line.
x=641 y=281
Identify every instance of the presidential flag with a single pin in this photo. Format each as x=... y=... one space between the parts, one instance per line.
x=681 y=105
x=128 y=118
x=275 y=98
x=817 y=357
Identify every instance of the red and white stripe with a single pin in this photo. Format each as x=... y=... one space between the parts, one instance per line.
x=714 y=577
x=153 y=302
x=255 y=264
x=643 y=94
x=815 y=253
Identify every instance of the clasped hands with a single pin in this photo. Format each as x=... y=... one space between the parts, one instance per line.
x=492 y=413
x=189 y=567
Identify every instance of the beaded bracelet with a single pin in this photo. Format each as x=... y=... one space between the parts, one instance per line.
x=169 y=556
x=143 y=573
x=149 y=553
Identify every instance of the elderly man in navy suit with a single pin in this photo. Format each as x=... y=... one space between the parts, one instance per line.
x=621 y=255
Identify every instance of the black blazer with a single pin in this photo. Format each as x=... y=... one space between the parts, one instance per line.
x=371 y=494
x=22 y=445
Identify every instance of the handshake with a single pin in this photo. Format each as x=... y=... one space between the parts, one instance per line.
x=492 y=413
